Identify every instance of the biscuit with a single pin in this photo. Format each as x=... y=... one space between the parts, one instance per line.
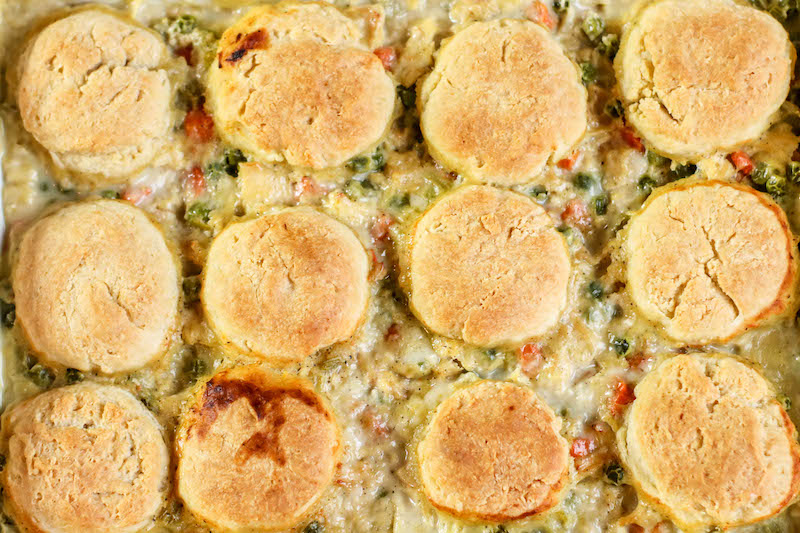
x=93 y=90
x=96 y=287
x=487 y=266
x=255 y=451
x=708 y=443
x=493 y=452
x=284 y=285
x=83 y=459
x=709 y=260
x=696 y=77
x=293 y=83
x=502 y=100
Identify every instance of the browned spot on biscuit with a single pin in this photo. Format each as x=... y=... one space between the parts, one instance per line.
x=250 y=41
x=221 y=392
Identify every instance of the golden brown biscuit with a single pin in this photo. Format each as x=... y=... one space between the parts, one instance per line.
x=487 y=266
x=96 y=287
x=293 y=82
x=501 y=101
x=284 y=285
x=269 y=443
x=708 y=260
x=708 y=443
x=83 y=459
x=696 y=77
x=493 y=452
x=94 y=91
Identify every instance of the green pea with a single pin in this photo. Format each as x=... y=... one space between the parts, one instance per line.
x=593 y=27
x=588 y=73
x=314 y=527
x=785 y=401
x=682 y=171
x=382 y=493
x=596 y=290
x=601 y=204
x=614 y=109
x=196 y=368
x=198 y=215
x=8 y=313
x=74 y=375
x=109 y=194
x=185 y=24
x=378 y=161
x=614 y=473
x=646 y=185
x=793 y=171
x=358 y=164
x=191 y=288
x=560 y=6
x=761 y=174
x=621 y=345
x=231 y=159
x=656 y=160
x=408 y=95
x=41 y=376
x=539 y=193
x=609 y=45
x=776 y=185
x=398 y=201
x=584 y=181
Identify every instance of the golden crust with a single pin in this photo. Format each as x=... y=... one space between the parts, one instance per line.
x=493 y=452
x=487 y=266
x=283 y=286
x=709 y=260
x=709 y=444
x=330 y=100
x=96 y=287
x=255 y=451
x=501 y=101
x=697 y=77
x=83 y=459
x=93 y=91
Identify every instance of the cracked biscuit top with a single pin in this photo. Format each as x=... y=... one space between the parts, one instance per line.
x=284 y=285
x=493 y=452
x=708 y=260
x=487 y=266
x=502 y=100
x=93 y=91
x=709 y=444
x=697 y=77
x=83 y=459
x=255 y=451
x=294 y=82
x=96 y=287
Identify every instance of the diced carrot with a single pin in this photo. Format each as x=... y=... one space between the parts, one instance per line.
x=387 y=55
x=742 y=162
x=639 y=360
x=186 y=53
x=539 y=13
x=635 y=528
x=582 y=447
x=576 y=214
x=531 y=359
x=135 y=196
x=622 y=396
x=198 y=125
x=196 y=181
x=393 y=333
x=568 y=163
x=380 y=229
x=630 y=138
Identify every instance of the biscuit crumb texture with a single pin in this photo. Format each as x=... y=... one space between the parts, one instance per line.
x=295 y=83
x=709 y=260
x=93 y=91
x=96 y=287
x=502 y=100
x=284 y=285
x=707 y=441
x=697 y=77
x=493 y=452
x=256 y=451
x=85 y=458
x=488 y=266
